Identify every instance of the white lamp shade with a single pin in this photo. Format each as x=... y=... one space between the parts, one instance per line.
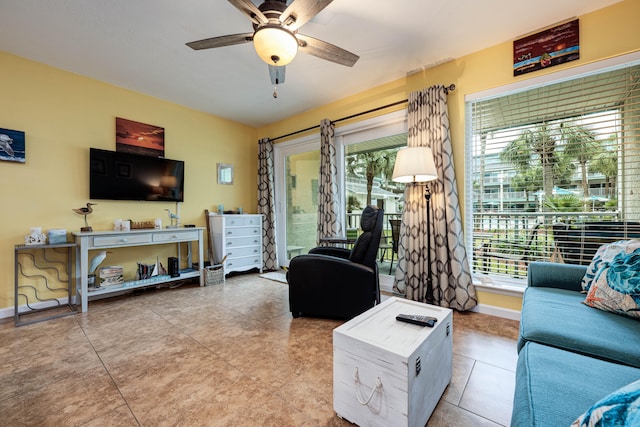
x=414 y=164
x=275 y=45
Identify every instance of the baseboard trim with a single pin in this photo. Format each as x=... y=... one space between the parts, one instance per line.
x=492 y=310
x=23 y=309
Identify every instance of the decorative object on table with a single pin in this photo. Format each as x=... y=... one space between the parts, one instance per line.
x=547 y=48
x=225 y=173
x=85 y=211
x=173 y=219
x=93 y=265
x=57 y=235
x=111 y=276
x=139 y=138
x=147 y=271
x=220 y=209
x=174 y=267
x=143 y=225
x=12 y=145
x=415 y=165
x=36 y=237
x=157 y=223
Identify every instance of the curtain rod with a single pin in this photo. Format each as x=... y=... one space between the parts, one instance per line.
x=447 y=89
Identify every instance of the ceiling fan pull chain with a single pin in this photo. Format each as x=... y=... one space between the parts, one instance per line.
x=275 y=91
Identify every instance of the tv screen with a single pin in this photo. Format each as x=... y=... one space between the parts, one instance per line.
x=124 y=176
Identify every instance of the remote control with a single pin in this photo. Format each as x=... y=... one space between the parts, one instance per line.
x=417 y=319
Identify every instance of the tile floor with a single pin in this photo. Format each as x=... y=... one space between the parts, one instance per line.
x=227 y=355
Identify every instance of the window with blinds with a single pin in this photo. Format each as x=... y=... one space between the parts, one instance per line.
x=555 y=172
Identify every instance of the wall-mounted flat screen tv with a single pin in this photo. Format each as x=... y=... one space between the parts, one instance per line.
x=123 y=176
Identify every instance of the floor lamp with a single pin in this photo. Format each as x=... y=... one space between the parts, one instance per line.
x=415 y=165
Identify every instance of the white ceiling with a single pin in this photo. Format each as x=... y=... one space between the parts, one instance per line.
x=140 y=45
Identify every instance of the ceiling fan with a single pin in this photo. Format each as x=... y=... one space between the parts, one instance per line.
x=275 y=36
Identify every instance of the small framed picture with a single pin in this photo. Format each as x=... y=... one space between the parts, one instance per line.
x=225 y=173
x=12 y=145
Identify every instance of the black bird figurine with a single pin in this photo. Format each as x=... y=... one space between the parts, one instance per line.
x=85 y=211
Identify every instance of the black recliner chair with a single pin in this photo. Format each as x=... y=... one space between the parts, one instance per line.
x=337 y=282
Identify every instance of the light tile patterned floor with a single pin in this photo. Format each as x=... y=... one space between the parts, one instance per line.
x=218 y=356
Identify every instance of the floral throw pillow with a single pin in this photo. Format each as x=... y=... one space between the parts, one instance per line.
x=620 y=408
x=605 y=254
x=616 y=282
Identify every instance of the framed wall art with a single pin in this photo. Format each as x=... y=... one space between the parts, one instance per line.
x=225 y=173
x=547 y=48
x=139 y=138
x=12 y=145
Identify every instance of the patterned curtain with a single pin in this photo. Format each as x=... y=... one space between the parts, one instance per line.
x=428 y=122
x=266 y=204
x=329 y=224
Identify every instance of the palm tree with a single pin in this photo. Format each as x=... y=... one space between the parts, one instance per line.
x=373 y=164
x=606 y=163
x=580 y=144
x=528 y=181
x=539 y=142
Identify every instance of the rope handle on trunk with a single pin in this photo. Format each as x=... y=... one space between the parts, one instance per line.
x=363 y=401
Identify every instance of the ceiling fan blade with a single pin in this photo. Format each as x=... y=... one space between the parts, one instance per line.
x=301 y=11
x=229 y=40
x=326 y=51
x=251 y=10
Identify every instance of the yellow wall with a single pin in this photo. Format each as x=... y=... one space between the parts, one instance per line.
x=603 y=34
x=63 y=114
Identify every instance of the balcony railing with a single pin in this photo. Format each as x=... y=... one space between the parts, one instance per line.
x=503 y=243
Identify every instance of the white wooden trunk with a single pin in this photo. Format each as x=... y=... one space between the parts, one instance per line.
x=412 y=363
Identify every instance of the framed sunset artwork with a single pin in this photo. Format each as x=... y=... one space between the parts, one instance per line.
x=139 y=138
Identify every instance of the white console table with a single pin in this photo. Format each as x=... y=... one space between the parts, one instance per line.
x=88 y=241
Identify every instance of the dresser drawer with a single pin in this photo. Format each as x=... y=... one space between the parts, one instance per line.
x=242 y=232
x=242 y=241
x=242 y=221
x=175 y=236
x=123 y=240
x=233 y=264
x=243 y=251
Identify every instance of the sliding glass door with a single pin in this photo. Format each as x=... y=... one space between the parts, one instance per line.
x=297 y=164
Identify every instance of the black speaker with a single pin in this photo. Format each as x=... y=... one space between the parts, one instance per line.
x=174 y=270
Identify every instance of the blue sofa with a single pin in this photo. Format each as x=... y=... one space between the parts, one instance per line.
x=569 y=355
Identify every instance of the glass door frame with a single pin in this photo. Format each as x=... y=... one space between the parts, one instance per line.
x=377 y=127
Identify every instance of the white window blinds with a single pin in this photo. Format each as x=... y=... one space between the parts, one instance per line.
x=556 y=171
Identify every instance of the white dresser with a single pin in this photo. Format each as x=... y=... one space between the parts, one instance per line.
x=239 y=238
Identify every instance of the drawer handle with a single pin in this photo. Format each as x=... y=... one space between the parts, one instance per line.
x=255 y=251
x=175 y=236
x=255 y=231
x=229 y=243
x=229 y=253
x=124 y=240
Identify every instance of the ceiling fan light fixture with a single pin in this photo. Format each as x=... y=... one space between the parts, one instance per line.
x=275 y=45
